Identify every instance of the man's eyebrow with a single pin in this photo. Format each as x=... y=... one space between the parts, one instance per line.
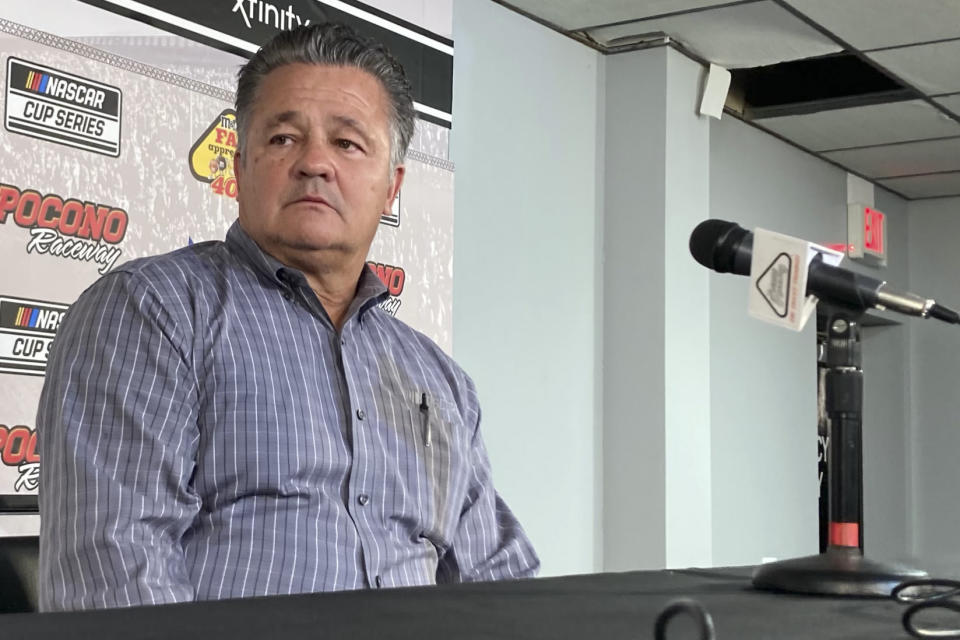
x=355 y=125
x=282 y=117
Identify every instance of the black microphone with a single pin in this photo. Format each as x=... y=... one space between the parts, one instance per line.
x=726 y=247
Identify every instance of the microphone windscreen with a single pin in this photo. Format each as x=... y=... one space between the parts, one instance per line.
x=705 y=239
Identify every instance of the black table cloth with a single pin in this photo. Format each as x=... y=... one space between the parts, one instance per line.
x=598 y=606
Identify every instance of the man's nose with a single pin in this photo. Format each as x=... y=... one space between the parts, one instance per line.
x=316 y=160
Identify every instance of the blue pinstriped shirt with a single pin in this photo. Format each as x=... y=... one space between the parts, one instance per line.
x=206 y=433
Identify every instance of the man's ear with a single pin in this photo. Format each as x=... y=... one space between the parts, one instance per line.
x=238 y=170
x=396 y=180
x=237 y=165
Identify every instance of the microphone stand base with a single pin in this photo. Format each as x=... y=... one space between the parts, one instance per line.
x=841 y=571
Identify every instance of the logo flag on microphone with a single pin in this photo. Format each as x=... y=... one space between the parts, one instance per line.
x=774 y=284
x=778 y=272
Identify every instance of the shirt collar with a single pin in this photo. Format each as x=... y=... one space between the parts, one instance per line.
x=370 y=289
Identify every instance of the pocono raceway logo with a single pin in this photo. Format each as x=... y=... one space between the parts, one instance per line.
x=66 y=227
x=268 y=14
x=18 y=449
x=393 y=278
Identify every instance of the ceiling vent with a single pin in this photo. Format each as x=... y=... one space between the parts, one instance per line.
x=798 y=87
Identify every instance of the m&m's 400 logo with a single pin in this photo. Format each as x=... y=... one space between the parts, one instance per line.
x=211 y=157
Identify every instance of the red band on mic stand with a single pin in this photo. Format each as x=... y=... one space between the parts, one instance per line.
x=845 y=534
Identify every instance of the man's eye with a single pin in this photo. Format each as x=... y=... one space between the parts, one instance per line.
x=281 y=139
x=344 y=143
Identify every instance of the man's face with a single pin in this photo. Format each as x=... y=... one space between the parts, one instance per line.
x=314 y=176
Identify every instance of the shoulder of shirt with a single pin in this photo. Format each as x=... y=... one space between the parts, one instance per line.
x=176 y=274
x=162 y=286
x=166 y=277
x=172 y=270
x=179 y=266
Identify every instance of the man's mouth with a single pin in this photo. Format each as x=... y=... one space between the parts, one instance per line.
x=313 y=200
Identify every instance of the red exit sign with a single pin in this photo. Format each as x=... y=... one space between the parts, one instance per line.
x=874 y=224
x=867 y=234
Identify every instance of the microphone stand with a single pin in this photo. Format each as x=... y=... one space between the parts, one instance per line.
x=842 y=569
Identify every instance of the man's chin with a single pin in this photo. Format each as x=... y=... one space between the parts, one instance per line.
x=308 y=243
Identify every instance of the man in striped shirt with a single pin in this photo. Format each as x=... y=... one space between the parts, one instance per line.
x=239 y=418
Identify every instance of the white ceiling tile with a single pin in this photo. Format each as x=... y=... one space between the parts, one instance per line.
x=745 y=35
x=931 y=186
x=578 y=14
x=932 y=68
x=950 y=102
x=902 y=159
x=861 y=126
x=870 y=24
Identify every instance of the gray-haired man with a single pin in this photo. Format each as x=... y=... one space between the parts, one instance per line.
x=239 y=418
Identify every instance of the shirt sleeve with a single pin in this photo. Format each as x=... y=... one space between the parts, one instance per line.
x=489 y=543
x=118 y=435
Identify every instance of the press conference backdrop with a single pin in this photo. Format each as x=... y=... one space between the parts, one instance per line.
x=104 y=159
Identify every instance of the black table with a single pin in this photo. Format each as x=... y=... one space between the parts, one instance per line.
x=599 y=606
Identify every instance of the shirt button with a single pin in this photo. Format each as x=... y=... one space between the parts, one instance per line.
x=287 y=296
x=363 y=499
x=361 y=414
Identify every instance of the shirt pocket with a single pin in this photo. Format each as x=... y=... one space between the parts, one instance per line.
x=443 y=447
x=439 y=424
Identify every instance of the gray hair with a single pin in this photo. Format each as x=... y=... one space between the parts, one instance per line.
x=335 y=45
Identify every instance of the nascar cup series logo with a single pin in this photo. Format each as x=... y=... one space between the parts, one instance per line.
x=18 y=449
x=66 y=227
x=27 y=329
x=53 y=105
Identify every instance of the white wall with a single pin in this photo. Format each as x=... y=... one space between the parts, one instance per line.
x=688 y=425
x=634 y=184
x=571 y=216
x=888 y=518
x=656 y=429
x=935 y=402
x=763 y=382
x=579 y=179
x=889 y=459
x=763 y=377
x=526 y=258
